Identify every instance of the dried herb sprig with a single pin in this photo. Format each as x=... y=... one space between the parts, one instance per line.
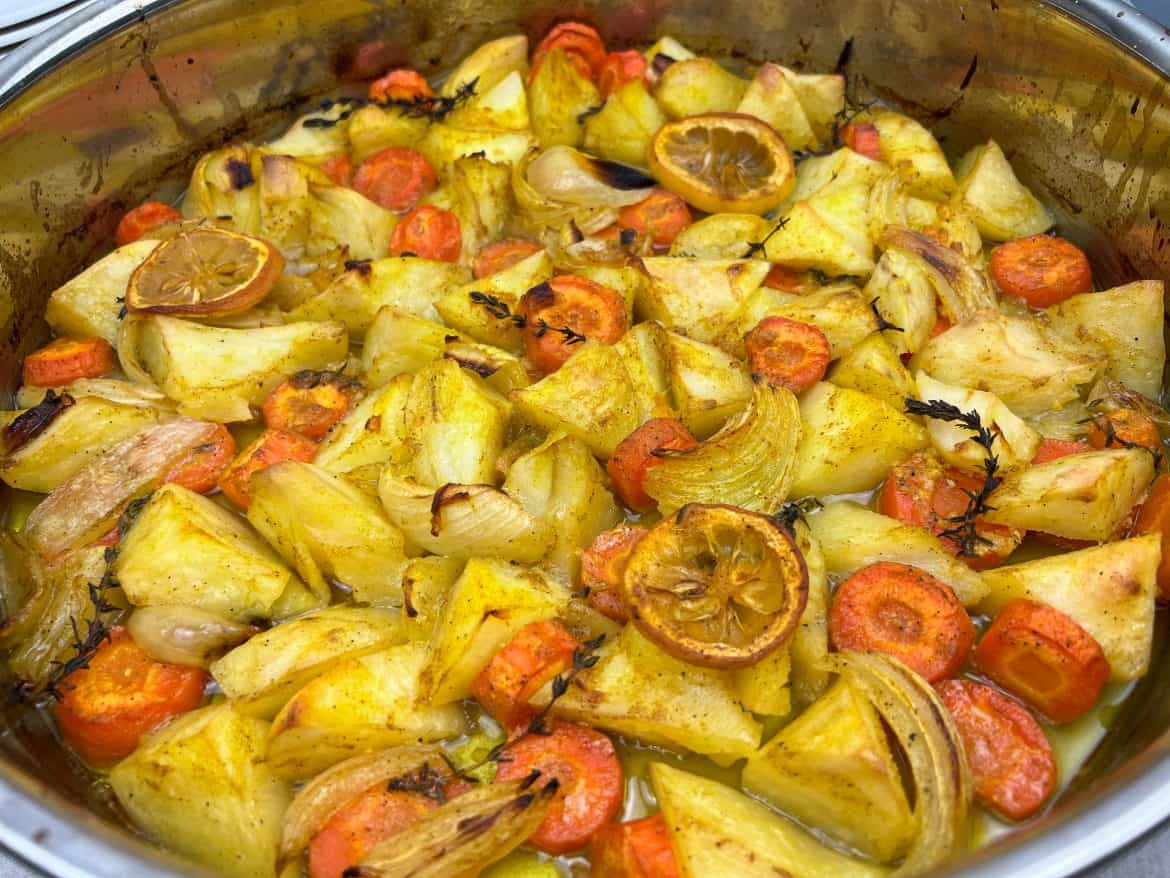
x=882 y=323
x=794 y=511
x=433 y=108
x=501 y=311
x=759 y=246
x=964 y=528
x=84 y=646
x=426 y=781
x=584 y=657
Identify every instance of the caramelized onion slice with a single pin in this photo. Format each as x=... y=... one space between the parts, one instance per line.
x=964 y=290
x=749 y=463
x=460 y=838
x=325 y=794
x=186 y=635
x=928 y=737
x=564 y=174
x=85 y=506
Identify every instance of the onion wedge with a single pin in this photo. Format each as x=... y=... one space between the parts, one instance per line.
x=87 y=505
x=928 y=736
x=329 y=791
x=460 y=838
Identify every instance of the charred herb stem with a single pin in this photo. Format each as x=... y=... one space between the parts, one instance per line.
x=502 y=311
x=755 y=247
x=882 y=323
x=964 y=529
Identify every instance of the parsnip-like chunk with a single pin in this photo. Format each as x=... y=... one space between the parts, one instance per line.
x=1108 y=590
x=708 y=386
x=89 y=303
x=1002 y=206
x=696 y=86
x=622 y=130
x=200 y=786
x=698 y=297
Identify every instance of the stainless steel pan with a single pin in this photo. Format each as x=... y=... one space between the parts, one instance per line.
x=114 y=104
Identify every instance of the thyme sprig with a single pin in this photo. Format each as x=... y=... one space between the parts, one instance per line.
x=431 y=782
x=964 y=529
x=433 y=108
x=500 y=309
x=794 y=511
x=882 y=323
x=761 y=245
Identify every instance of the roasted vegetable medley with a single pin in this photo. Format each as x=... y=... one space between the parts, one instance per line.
x=610 y=463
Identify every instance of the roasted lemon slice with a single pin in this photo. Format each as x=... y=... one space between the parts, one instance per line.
x=716 y=585
x=204 y=271
x=724 y=163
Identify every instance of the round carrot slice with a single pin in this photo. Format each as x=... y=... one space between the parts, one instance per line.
x=428 y=232
x=204 y=271
x=201 y=468
x=1124 y=428
x=310 y=403
x=787 y=353
x=589 y=782
x=271 y=446
x=501 y=255
x=724 y=163
x=537 y=653
x=618 y=68
x=395 y=177
x=565 y=311
x=108 y=706
x=579 y=41
x=660 y=216
x=400 y=85
x=1054 y=449
x=716 y=586
x=1046 y=658
x=603 y=565
x=140 y=220
x=361 y=825
x=1153 y=518
x=863 y=139
x=638 y=452
x=339 y=169
x=66 y=360
x=785 y=279
x=922 y=492
x=905 y=612
x=1011 y=760
x=636 y=849
x=1041 y=270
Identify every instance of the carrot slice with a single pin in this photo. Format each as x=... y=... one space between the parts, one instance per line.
x=1046 y=658
x=1054 y=449
x=1124 y=428
x=1011 y=759
x=141 y=219
x=501 y=255
x=922 y=492
x=579 y=41
x=108 y=706
x=1153 y=518
x=636 y=453
x=636 y=849
x=906 y=612
x=602 y=566
x=201 y=468
x=565 y=311
x=660 y=216
x=589 y=782
x=1041 y=270
x=786 y=279
x=361 y=825
x=400 y=85
x=271 y=446
x=395 y=177
x=537 y=653
x=618 y=68
x=310 y=403
x=339 y=169
x=941 y=325
x=65 y=360
x=863 y=139
x=787 y=353
x=428 y=232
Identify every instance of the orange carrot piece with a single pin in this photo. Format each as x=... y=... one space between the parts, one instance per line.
x=501 y=255
x=271 y=446
x=201 y=468
x=1154 y=518
x=1043 y=656
x=603 y=565
x=636 y=849
x=568 y=303
x=636 y=453
x=310 y=403
x=428 y=232
x=400 y=85
x=863 y=139
x=1124 y=428
x=140 y=220
x=361 y=825
x=537 y=653
x=620 y=68
x=906 y=612
x=66 y=360
x=660 y=216
x=395 y=178
x=1041 y=270
x=579 y=41
x=787 y=353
